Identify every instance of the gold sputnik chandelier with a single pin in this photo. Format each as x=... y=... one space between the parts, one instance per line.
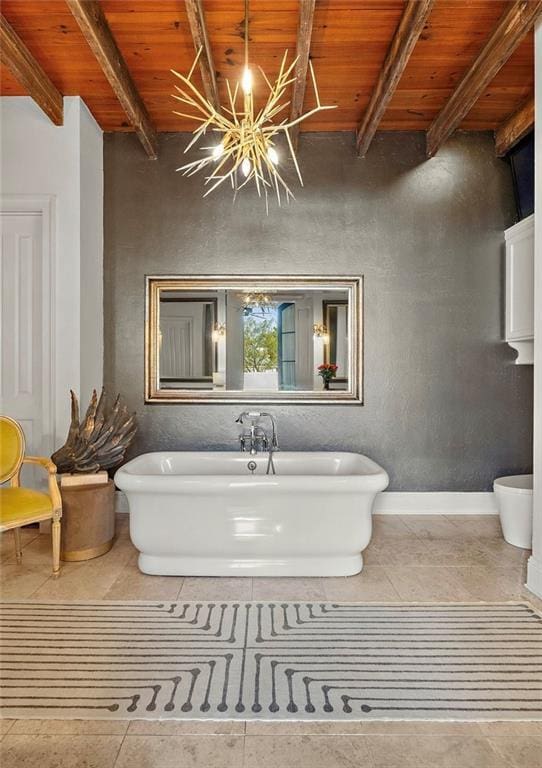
x=246 y=151
x=257 y=304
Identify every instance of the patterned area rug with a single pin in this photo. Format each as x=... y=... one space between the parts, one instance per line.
x=272 y=661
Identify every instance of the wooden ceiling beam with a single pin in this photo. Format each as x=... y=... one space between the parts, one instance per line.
x=406 y=36
x=198 y=28
x=93 y=24
x=509 y=32
x=30 y=74
x=514 y=128
x=304 y=35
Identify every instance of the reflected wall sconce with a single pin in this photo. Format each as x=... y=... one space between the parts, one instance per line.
x=320 y=332
x=219 y=332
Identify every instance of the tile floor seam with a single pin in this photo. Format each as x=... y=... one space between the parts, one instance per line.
x=243 y=765
x=501 y=755
x=12 y=558
x=47 y=579
x=180 y=589
x=120 y=748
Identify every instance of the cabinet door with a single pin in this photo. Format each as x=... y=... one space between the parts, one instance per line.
x=520 y=285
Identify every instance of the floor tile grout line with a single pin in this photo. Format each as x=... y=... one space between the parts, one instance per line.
x=8 y=730
x=180 y=590
x=500 y=755
x=11 y=559
x=244 y=748
x=43 y=583
x=120 y=747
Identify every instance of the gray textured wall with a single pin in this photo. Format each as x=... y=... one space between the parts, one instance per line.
x=445 y=408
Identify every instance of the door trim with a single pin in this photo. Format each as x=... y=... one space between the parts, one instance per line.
x=44 y=205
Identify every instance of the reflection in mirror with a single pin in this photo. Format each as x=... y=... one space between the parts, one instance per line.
x=187 y=354
x=257 y=341
x=336 y=350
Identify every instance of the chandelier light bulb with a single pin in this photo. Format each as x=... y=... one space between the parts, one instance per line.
x=218 y=151
x=246 y=81
x=246 y=166
x=273 y=155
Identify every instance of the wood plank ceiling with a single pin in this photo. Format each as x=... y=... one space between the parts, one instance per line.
x=350 y=43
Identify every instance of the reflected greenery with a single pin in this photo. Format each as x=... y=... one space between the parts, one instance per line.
x=260 y=345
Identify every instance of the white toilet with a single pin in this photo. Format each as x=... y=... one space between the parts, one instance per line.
x=515 y=503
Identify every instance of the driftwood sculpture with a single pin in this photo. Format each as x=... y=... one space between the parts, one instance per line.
x=100 y=441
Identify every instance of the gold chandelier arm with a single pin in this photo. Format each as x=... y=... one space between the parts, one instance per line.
x=277 y=92
x=272 y=102
x=278 y=178
x=190 y=117
x=187 y=99
x=227 y=154
x=268 y=117
x=267 y=129
x=233 y=99
x=266 y=79
x=219 y=182
x=190 y=84
x=184 y=98
x=314 y=85
x=292 y=152
x=196 y=137
x=210 y=114
x=319 y=106
x=194 y=63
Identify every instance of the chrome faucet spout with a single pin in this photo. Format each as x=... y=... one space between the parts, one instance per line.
x=274 y=435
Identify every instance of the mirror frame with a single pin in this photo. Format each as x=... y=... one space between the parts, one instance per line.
x=156 y=284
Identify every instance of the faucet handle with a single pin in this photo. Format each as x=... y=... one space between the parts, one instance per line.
x=254 y=416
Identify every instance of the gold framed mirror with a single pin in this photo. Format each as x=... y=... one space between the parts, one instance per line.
x=289 y=339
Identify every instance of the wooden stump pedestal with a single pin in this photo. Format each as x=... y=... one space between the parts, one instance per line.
x=88 y=521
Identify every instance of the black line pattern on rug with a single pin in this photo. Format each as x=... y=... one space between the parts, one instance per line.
x=271 y=660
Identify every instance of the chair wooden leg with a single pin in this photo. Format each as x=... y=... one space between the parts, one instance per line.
x=18 y=548
x=55 y=533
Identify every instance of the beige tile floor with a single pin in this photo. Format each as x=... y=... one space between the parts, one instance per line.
x=410 y=558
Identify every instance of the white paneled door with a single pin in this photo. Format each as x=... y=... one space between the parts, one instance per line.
x=22 y=353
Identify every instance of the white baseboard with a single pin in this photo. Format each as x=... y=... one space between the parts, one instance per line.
x=411 y=503
x=534 y=576
x=435 y=503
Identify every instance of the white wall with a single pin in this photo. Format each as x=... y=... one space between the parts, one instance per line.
x=534 y=571
x=91 y=253
x=66 y=162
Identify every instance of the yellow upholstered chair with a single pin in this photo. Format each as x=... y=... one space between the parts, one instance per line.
x=21 y=506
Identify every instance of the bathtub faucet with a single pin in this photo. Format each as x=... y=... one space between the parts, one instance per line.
x=255 y=438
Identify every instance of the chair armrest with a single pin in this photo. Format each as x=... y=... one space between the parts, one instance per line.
x=42 y=461
x=50 y=467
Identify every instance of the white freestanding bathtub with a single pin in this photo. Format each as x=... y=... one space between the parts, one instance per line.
x=207 y=514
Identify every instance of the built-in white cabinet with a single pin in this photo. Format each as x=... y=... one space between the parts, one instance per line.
x=520 y=289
